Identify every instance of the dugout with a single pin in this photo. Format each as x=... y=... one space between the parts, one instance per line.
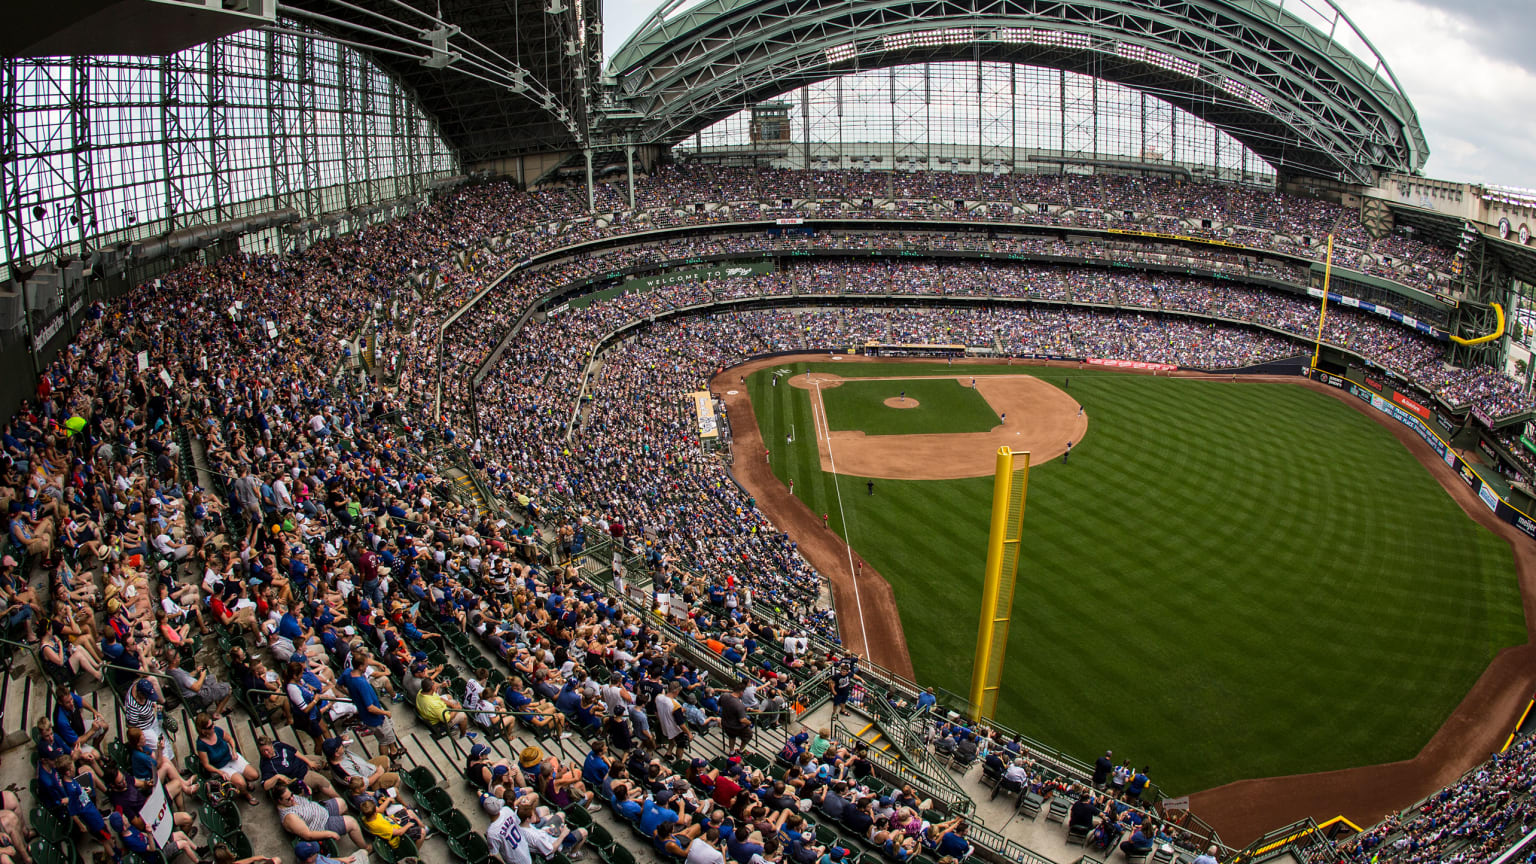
x=907 y=349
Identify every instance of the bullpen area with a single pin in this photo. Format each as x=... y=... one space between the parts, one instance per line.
x=1220 y=581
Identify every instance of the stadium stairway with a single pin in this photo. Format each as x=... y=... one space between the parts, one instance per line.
x=872 y=735
x=467 y=490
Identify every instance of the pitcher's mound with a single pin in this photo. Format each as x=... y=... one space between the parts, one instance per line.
x=899 y=402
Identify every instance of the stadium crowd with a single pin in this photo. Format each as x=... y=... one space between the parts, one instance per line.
x=218 y=513
x=1467 y=822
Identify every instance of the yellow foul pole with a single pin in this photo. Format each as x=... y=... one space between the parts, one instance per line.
x=1003 y=547
x=1317 y=347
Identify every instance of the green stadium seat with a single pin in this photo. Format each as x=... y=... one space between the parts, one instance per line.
x=391 y=854
x=471 y=848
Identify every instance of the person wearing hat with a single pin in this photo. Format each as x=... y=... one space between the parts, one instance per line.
x=481 y=768
x=505 y=835
x=80 y=797
x=282 y=762
x=1102 y=768
x=138 y=839
x=141 y=710
x=653 y=813
x=50 y=785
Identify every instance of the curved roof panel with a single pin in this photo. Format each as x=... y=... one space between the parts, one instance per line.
x=1295 y=81
x=500 y=78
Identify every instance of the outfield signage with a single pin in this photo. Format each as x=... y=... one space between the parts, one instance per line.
x=1331 y=380
x=1130 y=364
x=1488 y=497
x=704 y=410
x=1522 y=523
x=1410 y=405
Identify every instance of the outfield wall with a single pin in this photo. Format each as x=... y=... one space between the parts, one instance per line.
x=1424 y=427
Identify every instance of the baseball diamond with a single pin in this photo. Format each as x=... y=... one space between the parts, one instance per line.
x=1045 y=419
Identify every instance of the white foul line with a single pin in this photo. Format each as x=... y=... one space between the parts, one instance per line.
x=821 y=424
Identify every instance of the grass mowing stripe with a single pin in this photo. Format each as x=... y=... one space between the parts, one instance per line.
x=1217 y=564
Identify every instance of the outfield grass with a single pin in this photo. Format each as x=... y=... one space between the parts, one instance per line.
x=1227 y=581
x=943 y=405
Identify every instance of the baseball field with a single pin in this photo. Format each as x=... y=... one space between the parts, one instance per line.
x=1220 y=582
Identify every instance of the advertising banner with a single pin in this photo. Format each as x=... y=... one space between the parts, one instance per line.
x=1522 y=523
x=157 y=814
x=1466 y=474
x=704 y=409
x=1410 y=405
x=1488 y=497
x=722 y=270
x=1130 y=364
x=1487 y=450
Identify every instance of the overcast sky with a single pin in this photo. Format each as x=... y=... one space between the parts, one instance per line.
x=1468 y=65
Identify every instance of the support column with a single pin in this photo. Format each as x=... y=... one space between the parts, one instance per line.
x=629 y=169
x=591 y=191
x=981 y=121
x=805 y=119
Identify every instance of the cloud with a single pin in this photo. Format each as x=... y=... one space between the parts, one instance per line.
x=1477 y=104
x=1503 y=28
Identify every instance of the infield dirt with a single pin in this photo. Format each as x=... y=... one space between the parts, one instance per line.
x=1038 y=417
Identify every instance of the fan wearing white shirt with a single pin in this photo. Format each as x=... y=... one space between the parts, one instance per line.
x=705 y=849
x=505 y=834
x=546 y=844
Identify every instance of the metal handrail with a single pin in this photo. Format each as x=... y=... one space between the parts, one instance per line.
x=939 y=788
